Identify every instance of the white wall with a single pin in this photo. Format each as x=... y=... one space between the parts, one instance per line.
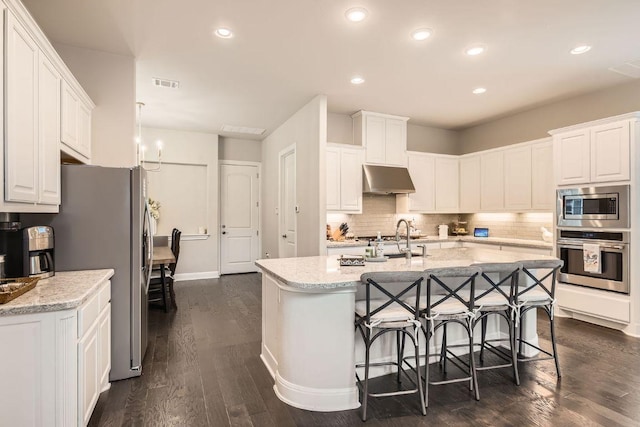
x=307 y=129
x=246 y=150
x=190 y=148
x=535 y=123
x=339 y=128
x=110 y=81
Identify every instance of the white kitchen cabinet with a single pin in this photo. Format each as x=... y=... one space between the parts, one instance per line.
x=88 y=373
x=384 y=137
x=542 y=183
x=470 y=183
x=447 y=184
x=517 y=178
x=344 y=178
x=593 y=152
x=492 y=181
x=421 y=169
x=49 y=132
x=76 y=125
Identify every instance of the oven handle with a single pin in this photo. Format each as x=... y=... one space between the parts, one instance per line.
x=574 y=245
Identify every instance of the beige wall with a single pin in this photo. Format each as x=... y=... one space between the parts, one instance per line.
x=110 y=81
x=245 y=150
x=196 y=256
x=307 y=129
x=535 y=123
x=419 y=138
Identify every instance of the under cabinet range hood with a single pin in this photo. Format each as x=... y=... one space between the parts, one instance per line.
x=386 y=180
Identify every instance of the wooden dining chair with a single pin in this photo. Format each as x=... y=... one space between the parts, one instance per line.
x=157 y=286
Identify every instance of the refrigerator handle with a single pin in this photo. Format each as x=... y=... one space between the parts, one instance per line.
x=148 y=243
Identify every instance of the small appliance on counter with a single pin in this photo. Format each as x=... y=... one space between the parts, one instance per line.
x=443 y=231
x=29 y=252
x=480 y=232
x=459 y=228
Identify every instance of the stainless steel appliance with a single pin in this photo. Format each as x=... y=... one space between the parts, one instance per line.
x=104 y=222
x=614 y=259
x=596 y=207
x=29 y=252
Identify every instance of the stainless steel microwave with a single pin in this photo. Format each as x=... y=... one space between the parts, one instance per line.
x=599 y=207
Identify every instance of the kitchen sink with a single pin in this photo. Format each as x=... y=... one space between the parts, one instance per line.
x=402 y=255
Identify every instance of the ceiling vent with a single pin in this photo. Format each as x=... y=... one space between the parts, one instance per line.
x=629 y=69
x=170 y=84
x=242 y=129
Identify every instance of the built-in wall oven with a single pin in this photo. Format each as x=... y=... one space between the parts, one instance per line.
x=613 y=258
x=594 y=207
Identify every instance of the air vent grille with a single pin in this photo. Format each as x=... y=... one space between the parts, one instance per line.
x=169 y=84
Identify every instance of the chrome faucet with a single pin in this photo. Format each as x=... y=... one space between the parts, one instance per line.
x=407 y=250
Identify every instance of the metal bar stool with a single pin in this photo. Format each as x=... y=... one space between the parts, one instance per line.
x=536 y=288
x=447 y=303
x=494 y=297
x=379 y=316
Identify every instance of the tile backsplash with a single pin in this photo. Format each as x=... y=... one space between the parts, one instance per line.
x=379 y=214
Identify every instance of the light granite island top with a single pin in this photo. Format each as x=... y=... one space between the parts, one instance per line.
x=325 y=272
x=309 y=343
x=65 y=290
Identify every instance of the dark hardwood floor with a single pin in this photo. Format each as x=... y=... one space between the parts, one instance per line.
x=202 y=368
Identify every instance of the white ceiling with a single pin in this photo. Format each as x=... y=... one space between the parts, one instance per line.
x=286 y=51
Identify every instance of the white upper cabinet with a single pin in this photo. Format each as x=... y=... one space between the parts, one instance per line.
x=492 y=181
x=593 y=152
x=517 y=178
x=470 y=183
x=384 y=137
x=435 y=177
x=49 y=131
x=542 y=184
x=344 y=178
x=76 y=125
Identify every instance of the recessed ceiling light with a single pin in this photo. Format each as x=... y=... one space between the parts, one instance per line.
x=224 y=33
x=475 y=50
x=421 y=34
x=479 y=90
x=357 y=80
x=356 y=14
x=580 y=49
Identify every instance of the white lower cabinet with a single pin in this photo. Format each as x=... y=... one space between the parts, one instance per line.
x=53 y=365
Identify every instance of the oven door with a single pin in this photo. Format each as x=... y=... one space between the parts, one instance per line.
x=614 y=260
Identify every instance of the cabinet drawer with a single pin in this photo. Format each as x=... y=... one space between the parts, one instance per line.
x=105 y=295
x=88 y=314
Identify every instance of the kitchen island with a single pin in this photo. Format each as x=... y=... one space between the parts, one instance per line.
x=309 y=343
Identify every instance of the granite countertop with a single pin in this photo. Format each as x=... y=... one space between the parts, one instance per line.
x=65 y=290
x=325 y=272
x=539 y=244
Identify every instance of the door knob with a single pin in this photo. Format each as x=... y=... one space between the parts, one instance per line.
x=284 y=236
x=224 y=232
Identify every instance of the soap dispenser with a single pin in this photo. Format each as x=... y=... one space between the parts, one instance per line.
x=379 y=246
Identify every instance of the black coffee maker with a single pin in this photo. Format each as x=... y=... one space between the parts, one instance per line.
x=29 y=252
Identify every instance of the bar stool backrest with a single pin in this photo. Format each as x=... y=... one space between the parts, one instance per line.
x=446 y=284
x=392 y=287
x=507 y=276
x=537 y=275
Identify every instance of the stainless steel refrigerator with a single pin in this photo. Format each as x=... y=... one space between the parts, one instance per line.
x=104 y=222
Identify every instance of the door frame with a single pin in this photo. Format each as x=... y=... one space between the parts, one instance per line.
x=290 y=149
x=238 y=163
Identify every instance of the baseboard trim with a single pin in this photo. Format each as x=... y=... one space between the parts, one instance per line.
x=183 y=277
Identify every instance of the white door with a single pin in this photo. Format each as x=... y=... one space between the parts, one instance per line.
x=239 y=218
x=287 y=246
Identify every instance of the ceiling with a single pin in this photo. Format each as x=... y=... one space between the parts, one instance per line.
x=284 y=52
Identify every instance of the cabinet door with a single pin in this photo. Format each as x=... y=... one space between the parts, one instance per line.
x=610 y=152
x=422 y=170
x=542 y=184
x=84 y=131
x=21 y=148
x=517 y=178
x=572 y=156
x=492 y=181
x=470 y=184
x=374 y=139
x=104 y=348
x=396 y=142
x=69 y=129
x=447 y=184
x=351 y=180
x=88 y=380
x=49 y=131
x=333 y=178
